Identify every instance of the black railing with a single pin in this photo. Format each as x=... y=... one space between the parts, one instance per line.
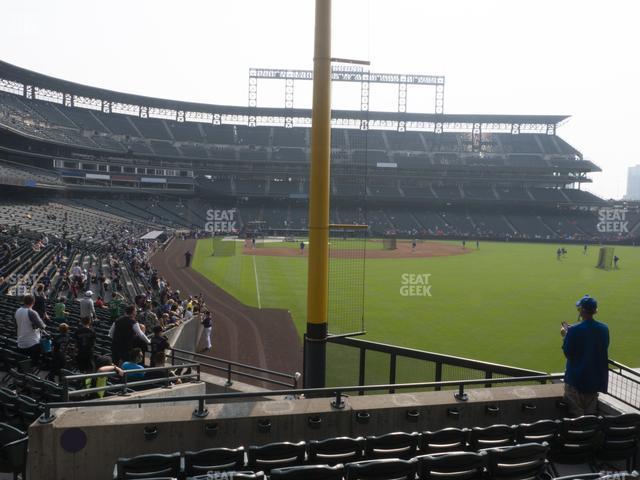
x=126 y=386
x=445 y=367
x=231 y=368
x=336 y=393
x=624 y=384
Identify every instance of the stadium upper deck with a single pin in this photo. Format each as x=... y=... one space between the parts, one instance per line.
x=99 y=138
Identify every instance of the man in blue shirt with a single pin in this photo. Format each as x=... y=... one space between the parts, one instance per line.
x=586 y=348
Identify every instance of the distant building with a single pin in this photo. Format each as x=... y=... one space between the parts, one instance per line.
x=633 y=183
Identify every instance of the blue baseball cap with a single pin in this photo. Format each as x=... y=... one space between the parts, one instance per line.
x=588 y=303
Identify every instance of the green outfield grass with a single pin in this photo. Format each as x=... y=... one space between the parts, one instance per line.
x=502 y=303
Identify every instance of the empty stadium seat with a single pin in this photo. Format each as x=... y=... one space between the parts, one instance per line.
x=148 y=467
x=381 y=469
x=578 y=440
x=13 y=451
x=392 y=445
x=275 y=455
x=335 y=450
x=620 y=439
x=308 y=472
x=518 y=462
x=213 y=459
x=451 y=466
x=492 y=436
x=538 y=432
x=445 y=440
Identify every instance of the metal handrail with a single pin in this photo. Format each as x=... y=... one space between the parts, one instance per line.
x=336 y=392
x=624 y=368
x=432 y=356
x=124 y=386
x=293 y=377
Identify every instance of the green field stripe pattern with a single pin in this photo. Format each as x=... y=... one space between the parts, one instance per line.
x=502 y=303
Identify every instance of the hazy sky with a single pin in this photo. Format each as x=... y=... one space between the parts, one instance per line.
x=574 y=57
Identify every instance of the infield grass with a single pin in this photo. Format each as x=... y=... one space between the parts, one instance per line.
x=502 y=303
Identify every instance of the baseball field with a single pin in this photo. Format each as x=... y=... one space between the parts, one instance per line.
x=501 y=303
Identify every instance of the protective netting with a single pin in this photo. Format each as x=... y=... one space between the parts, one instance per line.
x=347 y=255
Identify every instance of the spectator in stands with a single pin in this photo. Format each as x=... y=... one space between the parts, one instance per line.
x=586 y=347
x=207 y=325
x=104 y=364
x=86 y=306
x=147 y=317
x=40 y=302
x=85 y=339
x=100 y=302
x=159 y=343
x=115 y=306
x=59 y=310
x=29 y=326
x=61 y=350
x=134 y=362
x=123 y=332
x=5 y=257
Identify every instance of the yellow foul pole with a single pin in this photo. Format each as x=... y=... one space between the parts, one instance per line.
x=318 y=272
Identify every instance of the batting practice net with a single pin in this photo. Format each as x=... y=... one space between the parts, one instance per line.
x=389 y=243
x=605 y=258
x=347 y=255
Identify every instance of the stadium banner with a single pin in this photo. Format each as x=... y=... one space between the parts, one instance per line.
x=97 y=176
x=153 y=180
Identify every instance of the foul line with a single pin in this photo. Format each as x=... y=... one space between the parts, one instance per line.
x=255 y=273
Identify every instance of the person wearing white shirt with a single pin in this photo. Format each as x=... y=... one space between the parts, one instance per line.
x=29 y=326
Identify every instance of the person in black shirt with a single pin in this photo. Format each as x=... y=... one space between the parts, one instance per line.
x=159 y=343
x=123 y=332
x=61 y=349
x=85 y=343
x=187 y=258
x=40 y=305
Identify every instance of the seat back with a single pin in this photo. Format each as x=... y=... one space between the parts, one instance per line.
x=538 y=432
x=335 y=450
x=392 y=445
x=275 y=455
x=148 y=466
x=451 y=466
x=445 y=440
x=213 y=460
x=491 y=437
x=519 y=462
x=578 y=439
x=381 y=469
x=239 y=475
x=308 y=472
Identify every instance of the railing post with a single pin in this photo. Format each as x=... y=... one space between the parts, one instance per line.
x=201 y=411
x=229 y=382
x=338 y=402
x=198 y=372
x=65 y=389
x=438 y=374
x=361 y=369
x=463 y=397
x=173 y=357
x=47 y=416
x=392 y=372
x=488 y=374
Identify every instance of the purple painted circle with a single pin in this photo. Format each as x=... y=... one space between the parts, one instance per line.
x=73 y=440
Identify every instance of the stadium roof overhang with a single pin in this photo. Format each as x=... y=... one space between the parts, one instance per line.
x=32 y=84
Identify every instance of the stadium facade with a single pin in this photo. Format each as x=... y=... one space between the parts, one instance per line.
x=404 y=174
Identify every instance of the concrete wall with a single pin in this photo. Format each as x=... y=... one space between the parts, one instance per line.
x=85 y=443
